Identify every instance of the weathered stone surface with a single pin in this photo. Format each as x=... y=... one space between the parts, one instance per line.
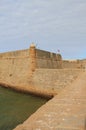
x=66 y=111
x=42 y=73
x=47 y=82
x=35 y=71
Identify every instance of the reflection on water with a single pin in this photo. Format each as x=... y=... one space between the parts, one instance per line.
x=15 y=107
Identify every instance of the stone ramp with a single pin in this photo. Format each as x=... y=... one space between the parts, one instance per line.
x=66 y=111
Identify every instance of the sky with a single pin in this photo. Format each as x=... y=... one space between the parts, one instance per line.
x=51 y=24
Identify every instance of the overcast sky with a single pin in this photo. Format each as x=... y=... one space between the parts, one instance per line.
x=50 y=24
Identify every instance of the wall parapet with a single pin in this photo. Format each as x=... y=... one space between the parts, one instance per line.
x=15 y=54
x=47 y=55
x=22 y=69
x=44 y=59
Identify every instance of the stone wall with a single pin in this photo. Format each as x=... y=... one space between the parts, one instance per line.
x=48 y=60
x=66 y=111
x=17 y=68
x=35 y=71
x=14 y=67
x=14 y=71
x=72 y=64
x=47 y=55
x=21 y=64
x=48 y=63
x=15 y=54
x=54 y=79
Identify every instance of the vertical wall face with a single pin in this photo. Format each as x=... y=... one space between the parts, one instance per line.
x=32 y=54
x=48 y=60
x=73 y=64
x=14 y=67
x=17 y=67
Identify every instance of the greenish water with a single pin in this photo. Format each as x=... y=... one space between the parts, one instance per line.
x=15 y=107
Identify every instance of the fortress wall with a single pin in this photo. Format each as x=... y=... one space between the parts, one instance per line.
x=83 y=62
x=72 y=64
x=17 y=68
x=44 y=82
x=48 y=63
x=15 y=54
x=26 y=61
x=18 y=73
x=38 y=72
x=45 y=59
x=53 y=80
x=14 y=71
x=35 y=71
x=66 y=111
x=14 y=67
x=45 y=54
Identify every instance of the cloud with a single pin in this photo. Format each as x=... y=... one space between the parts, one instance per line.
x=52 y=24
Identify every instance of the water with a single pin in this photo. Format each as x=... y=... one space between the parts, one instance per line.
x=16 y=107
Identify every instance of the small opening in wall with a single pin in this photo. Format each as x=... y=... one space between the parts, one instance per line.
x=10 y=75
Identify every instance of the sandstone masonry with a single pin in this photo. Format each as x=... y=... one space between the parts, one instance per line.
x=46 y=74
x=36 y=71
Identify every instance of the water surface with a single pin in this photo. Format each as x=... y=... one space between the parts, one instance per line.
x=16 y=107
